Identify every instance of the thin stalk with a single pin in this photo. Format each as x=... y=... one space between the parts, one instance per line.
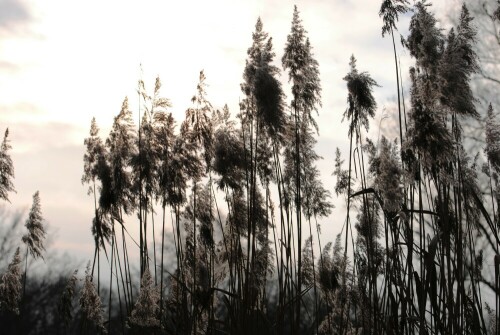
x=194 y=289
x=316 y=321
x=25 y=274
x=124 y=285
x=154 y=241
x=118 y=286
x=111 y=278
x=299 y=216
x=161 y=265
x=399 y=99
x=347 y=221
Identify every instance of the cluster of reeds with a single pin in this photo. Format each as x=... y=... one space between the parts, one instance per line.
x=241 y=198
x=13 y=281
x=244 y=196
x=421 y=221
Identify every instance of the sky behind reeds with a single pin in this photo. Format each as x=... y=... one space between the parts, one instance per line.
x=63 y=62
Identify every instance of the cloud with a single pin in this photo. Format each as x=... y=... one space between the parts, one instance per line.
x=19 y=110
x=9 y=67
x=14 y=16
x=30 y=137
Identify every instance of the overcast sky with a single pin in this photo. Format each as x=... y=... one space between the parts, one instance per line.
x=63 y=62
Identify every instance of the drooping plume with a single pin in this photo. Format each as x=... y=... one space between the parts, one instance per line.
x=360 y=98
x=390 y=11
x=35 y=236
x=6 y=168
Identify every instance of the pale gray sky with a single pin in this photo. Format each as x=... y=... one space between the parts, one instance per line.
x=63 y=62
